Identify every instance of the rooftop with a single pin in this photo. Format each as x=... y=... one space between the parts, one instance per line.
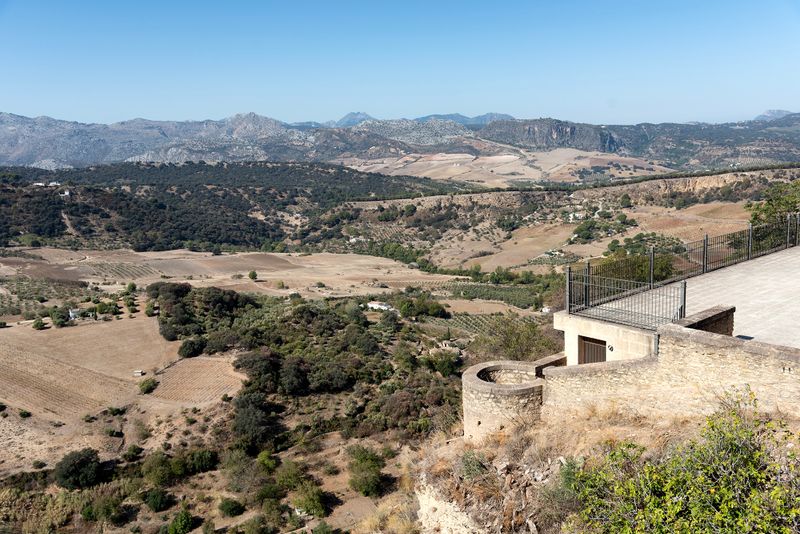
x=765 y=291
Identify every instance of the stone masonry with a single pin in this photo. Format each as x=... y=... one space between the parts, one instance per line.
x=500 y=395
x=693 y=369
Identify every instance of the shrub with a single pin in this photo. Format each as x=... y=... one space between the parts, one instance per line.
x=267 y=461
x=182 y=524
x=473 y=465
x=148 y=385
x=78 y=469
x=156 y=469
x=252 y=275
x=25 y=414
x=311 y=499
x=132 y=453
x=157 y=499
x=105 y=508
x=322 y=528
x=231 y=507
x=736 y=477
x=38 y=464
x=38 y=324
x=270 y=491
x=289 y=475
x=365 y=470
x=163 y=470
x=3 y=324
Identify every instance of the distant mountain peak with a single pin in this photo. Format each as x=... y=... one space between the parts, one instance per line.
x=773 y=114
x=353 y=118
x=479 y=120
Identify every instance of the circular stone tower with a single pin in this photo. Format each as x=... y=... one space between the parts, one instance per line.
x=499 y=395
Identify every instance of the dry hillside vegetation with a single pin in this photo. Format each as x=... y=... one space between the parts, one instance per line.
x=608 y=471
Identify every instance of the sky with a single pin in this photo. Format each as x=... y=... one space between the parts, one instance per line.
x=605 y=62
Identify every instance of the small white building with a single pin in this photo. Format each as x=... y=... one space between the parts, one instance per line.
x=377 y=305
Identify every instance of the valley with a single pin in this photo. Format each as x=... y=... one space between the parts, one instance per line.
x=304 y=329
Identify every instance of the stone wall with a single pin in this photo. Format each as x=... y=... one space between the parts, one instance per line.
x=500 y=395
x=692 y=370
x=718 y=320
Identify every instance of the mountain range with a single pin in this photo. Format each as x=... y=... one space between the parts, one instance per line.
x=50 y=143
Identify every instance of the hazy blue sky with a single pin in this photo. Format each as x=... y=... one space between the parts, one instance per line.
x=593 y=61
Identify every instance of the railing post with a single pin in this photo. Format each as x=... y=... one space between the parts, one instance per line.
x=788 y=229
x=750 y=241
x=652 y=264
x=586 y=280
x=705 y=254
x=569 y=283
x=796 y=229
x=682 y=312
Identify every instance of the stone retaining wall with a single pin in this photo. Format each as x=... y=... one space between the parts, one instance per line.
x=692 y=370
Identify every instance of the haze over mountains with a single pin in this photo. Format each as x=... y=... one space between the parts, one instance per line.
x=50 y=143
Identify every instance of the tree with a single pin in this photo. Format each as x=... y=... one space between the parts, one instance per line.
x=311 y=499
x=779 y=199
x=192 y=347
x=78 y=469
x=148 y=385
x=512 y=338
x=38 y=324
x=59 y=317
x=252 y=275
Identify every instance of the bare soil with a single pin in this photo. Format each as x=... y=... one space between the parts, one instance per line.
x=507 y=167
x=61 y=375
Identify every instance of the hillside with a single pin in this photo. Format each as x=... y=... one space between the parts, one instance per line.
x=192 y=205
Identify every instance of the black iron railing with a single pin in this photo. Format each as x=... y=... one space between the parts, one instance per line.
x=627 y=302
x=635 y=290
x=698 y=257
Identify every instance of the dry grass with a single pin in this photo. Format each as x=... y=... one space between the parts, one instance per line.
x=397 y=513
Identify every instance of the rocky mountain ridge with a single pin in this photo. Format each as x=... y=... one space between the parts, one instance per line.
x=51 y=143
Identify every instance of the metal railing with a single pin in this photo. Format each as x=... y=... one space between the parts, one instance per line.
x=635 y=290
x=627 y=302
x=702 y=256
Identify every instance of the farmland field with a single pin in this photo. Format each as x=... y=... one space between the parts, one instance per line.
x=66 y=372
x=62 y=375
x=472 y=323
x=198 y=380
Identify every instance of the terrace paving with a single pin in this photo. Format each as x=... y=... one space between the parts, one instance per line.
x=765 y=291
